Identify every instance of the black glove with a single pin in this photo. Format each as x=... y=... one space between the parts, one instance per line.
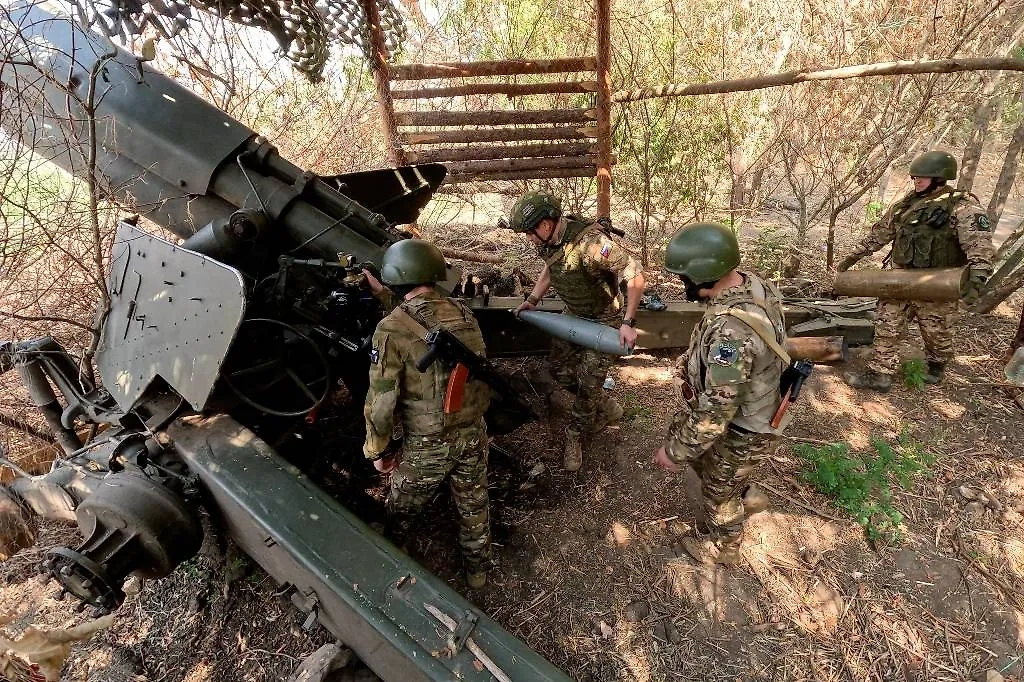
x=847 y=263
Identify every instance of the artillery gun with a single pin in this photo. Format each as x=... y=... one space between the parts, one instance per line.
x=253 y=317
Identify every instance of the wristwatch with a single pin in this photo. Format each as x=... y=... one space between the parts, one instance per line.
x=629 y=321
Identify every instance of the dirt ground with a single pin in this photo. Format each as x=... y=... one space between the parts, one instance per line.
x=589 y=570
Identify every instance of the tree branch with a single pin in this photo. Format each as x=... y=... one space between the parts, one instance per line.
x=794 y=77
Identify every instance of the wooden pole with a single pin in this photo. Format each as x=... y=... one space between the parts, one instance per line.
x=519 y=164
x=489 y=118
x=517 y=151
x=379 y=65
x=604 y=101
x=584 y=172
x=500 y=135
x=792 y=77
x=508 y=89
x=504 y=67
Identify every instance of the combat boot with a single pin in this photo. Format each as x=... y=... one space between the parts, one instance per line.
x=934 y=373
x=754 y=501
x=476 y=579
x=610 y=412
x=707 y=551
x=876 y=381
x=573 y=451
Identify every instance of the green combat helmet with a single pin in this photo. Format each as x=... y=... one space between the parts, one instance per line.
x=934 y=165
x=702 y=252
x=413 y=261
x=532 y=208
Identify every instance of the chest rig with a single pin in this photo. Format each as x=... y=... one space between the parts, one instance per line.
x=925 y=234
x=585 y=293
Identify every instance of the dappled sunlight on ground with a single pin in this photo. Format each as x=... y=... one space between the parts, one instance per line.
x=947 y=408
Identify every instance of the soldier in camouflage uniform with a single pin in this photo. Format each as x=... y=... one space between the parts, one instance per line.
x=935 y=226
x=436 y=444
x=585 y=266
x=727 y=383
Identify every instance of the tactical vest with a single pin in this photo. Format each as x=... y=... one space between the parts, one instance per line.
x=422 y=401
x=761 y=398
x=584 y=293
x=925 y=235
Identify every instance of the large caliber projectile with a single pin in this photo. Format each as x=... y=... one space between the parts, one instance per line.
x=918 y=284
x=586 y=333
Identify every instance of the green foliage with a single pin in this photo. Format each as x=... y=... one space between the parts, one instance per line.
x=861 y=483
x=634 y=411
x=873 y=211
x=913 y=372
x=768 y=251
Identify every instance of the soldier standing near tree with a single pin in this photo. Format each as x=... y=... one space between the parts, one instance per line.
x=934 y=226
x=728 y=383
x=585 y=266
x=438 y=441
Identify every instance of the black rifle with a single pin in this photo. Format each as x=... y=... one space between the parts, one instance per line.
x=507 y=412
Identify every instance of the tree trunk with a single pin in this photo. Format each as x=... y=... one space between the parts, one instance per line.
x=983 y=116
x=1008 y=173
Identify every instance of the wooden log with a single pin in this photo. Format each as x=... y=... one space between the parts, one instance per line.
x=500 y=135
x=502 y=67
x=821 y=349
x=587 y=172
x=793 y=77
x=916 y=284
x=379 y=65
x=461 y=167
x=518 y=151
x=472 y=257
x=508 y=89
x=602 y=17
x=491 y=118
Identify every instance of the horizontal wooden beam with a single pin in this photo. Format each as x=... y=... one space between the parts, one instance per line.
x=517 y=151
x=520 y=164
x=502 y=67
x=508 y=89
x=489 y=118
x=588 y=172
x=499 y=135
x=793 y=77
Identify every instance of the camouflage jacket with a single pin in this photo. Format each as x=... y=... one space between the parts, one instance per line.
x=397 y=387
x=586 y=267
x=729 y=375
x=944 y=227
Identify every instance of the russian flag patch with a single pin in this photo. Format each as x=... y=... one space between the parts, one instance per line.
x=605 y=250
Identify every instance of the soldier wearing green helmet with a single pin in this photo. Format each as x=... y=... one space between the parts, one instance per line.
x=933 y=226
x=438 y=443
x=728 y=385
x=585 y=266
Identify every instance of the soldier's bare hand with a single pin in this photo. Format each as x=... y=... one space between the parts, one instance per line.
x=386 y=465
x=661 y=459
x=627 y=336
x=372 y=282
x=525 y=305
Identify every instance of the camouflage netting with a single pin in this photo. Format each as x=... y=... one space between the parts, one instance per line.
x=303 y=28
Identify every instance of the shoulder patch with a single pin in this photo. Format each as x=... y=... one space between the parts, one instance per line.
x=982 y=223
x=725 y=353
x=605 y=250
x=374 y=356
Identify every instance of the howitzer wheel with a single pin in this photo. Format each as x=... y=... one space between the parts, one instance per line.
x=277 y=369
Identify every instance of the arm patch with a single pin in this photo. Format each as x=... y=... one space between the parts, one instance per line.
x=982 y=223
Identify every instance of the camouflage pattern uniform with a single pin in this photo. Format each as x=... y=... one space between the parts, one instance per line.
x=586 y=267
x=728 y=390
x=436 y=445
x=942 y=228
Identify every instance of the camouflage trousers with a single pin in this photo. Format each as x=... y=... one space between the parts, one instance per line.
x=935 y=320
x=582 y=371
x=461 y=457
x=724 y=470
